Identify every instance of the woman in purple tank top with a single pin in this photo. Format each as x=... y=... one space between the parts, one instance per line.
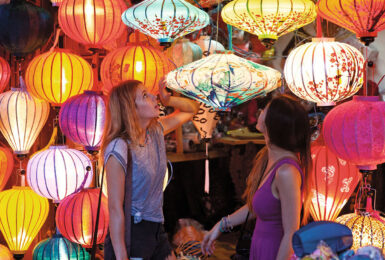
x=276 y=186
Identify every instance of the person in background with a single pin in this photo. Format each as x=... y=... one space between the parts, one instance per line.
x=133 y=128
x=276 y=186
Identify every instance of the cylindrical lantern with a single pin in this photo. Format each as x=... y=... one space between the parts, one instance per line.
x=324 y=71
x=82 y=119
x=59 y=248
x=94 y=22
x=183 y=52
x=76 y=217
x=363 y=17
x=223 y=80
x=6 y=166
x=5 y=74
x=23 y=213
x=209 y=46
x=269 y=19
x=5 y=254
x=165 y=20
x=58 y=172
x=24 y=27
x=355 y=131
x=57 y=75
x=135 y=61
x=333 y=181
x=366 y=230
x=21 y=119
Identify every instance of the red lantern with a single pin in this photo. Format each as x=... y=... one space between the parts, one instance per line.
x=363 y=17
x=333 y=181
x=5 y=74
x=92 y=22
x=76 y=217
x=6 y=166
x=355 y=131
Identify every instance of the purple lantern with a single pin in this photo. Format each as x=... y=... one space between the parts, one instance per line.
x=82 y=119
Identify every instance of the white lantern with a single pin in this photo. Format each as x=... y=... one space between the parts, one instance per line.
x=58 y=172
x=209 y=47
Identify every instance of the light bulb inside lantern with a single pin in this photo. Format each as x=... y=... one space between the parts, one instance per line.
x=139 y=66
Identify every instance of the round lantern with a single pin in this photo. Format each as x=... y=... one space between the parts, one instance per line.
x=82 y=119
x=59 y=248
x=135 y=61
x=5 y=74
x=223 y=80
x=92 y=22
x=363 y=17
x=58 y=172
x=57 y=75
x=183 y=52
x=23 y=213
x=209 y=46
x=21 y=119
x=24 y=27
x=6 y=166
x=333 y=181
x=355 y=131
x=76 y=217
x=366 y=230
x=5 y=254
x=324 y=71
x=269 y=19
x=165 y=20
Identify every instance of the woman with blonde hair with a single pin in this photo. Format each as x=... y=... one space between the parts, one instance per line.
x=276 y=185
x=133 y=146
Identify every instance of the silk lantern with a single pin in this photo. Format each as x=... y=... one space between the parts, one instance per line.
x=137 y=61
x=5 y=254
x=223 y=80
x=76 y=217
x=5 y=74
x=363 y=17
x=6 y=166
x=324 y=71
x=82 y=118
x=24 y=27
x=208 y=45
x=355 y=131
x=183 y=52
x=21 y=119
x=205 y=120
x=57 y=75
x=165 y=20
x=366 y=230
x=22 y=214
x=333 y=181
x=94 y=22
x=58 y=172
x=59 y=248
x=269 y=19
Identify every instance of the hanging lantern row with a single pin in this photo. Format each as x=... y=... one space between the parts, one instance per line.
x=324 y=71
x=5 y=74
x=6 y=166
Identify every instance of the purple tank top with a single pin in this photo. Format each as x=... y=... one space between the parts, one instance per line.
x=268 y=231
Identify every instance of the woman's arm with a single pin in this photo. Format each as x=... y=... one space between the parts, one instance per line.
x=235 y=219
x=185 y=109
x=115 y=189
x=288 y=184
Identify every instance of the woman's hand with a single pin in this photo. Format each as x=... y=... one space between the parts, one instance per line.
x=164 y=95
x=207 y=244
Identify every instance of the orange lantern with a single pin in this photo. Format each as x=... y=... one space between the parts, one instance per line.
x=363 y=17
x=6 y=166
x=333 y=182
x=136 y=61
x=5 y=74
x=92 y=22
x=5 y=254
x=57 y=75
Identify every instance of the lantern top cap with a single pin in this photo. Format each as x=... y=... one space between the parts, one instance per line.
x=223 y=52
x=21 y=188
x=367 y=98
x=323 y=39
x=93 y=92
x=58 y=147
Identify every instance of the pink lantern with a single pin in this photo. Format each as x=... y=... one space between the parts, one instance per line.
x=355 y=131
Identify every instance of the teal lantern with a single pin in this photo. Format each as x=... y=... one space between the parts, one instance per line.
x=165 y=20
x=59 y=248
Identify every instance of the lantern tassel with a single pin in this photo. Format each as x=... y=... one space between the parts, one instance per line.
x=207 y=174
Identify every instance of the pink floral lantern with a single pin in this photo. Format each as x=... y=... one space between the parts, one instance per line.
x=355 y=131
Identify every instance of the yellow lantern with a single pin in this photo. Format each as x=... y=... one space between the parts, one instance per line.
x=57 y=75
x=21 y=118
x=22 y=214
x=367 y=230
x=269 y=19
